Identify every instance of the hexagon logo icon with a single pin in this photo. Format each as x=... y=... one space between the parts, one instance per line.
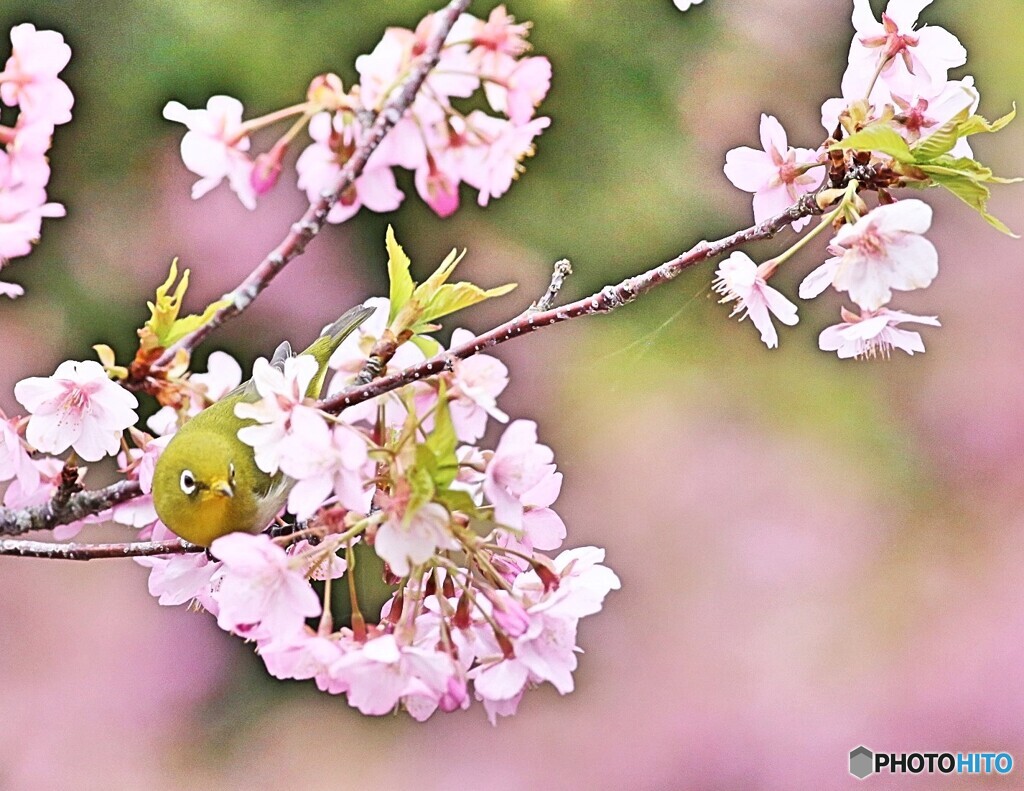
x=862 y=762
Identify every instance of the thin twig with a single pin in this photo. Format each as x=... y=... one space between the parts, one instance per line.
x=134 y=549
x=561 y=271
x=315 y=216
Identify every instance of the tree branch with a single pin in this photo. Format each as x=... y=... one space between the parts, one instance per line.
x=310 y=224
x=65 y=510
x=606 y=300
x=134 y=549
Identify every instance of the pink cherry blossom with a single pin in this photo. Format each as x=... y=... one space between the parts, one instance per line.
x=739 y=279
x=915 y=59
x=77 y=407
x=282 y=392
x=495 y=43
x=15 y=461
x=494 y=165
x=521 y=90
x=883 y=250
x=873 y=334
x=223 y=374
x=519 y=468
x=180 y=579
x=382 y=671
x=24 y=162
x=22 y=210
x=37 y=488
x=29 y=79
x=475 y=384
x=215 y=147
x=325 y=460
x=320 y=164
x=685 y=5
x=381 y=70
x=301 y=656
x=919 y=115
x=403 y=542
x=260 y=591
x=777 y=176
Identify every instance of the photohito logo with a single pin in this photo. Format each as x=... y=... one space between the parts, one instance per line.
x=864 y=762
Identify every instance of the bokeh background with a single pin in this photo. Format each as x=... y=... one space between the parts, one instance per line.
x=815 y=554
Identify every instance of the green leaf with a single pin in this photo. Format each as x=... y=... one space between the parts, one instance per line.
x=421 y=482
x=426 y=344
x=877 y=137
x=453 y=297
x=457 y=500
x=977 y=124
x=961 y=125
x=402 y=284
x=442 y=442
x=164 y=328
x=966 y=179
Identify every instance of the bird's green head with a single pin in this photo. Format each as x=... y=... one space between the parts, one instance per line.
x=196 y=488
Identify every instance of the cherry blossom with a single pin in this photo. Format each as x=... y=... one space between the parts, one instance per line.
x=321 y=162
x=912 y=57
x=685 y=5
x=77 y=407
x=215 y=147
x=282 y=392
x=180 y=579
x=520 y=466
x=11 y=290
x=381 y=671
x=777 y=176
x=740 y=280
x=519 y=92
x=29 y=79
x=15 y=461
x=492 y=167
x=873 y=334
x=259 y=590
x=223 y=375
x=883 y=250
x=22 y=209
x=325 y=460
x=405 y=541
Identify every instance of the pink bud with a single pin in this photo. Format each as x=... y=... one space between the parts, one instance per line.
x=266 y=170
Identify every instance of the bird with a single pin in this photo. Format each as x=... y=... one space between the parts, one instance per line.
x=206 y=483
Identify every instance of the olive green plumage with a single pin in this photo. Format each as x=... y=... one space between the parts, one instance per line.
x=206 y=483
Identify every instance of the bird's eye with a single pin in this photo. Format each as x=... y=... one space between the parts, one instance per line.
x=231 y=471
x=188 y=482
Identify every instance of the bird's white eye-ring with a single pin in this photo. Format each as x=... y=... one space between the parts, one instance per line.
x=188 y=482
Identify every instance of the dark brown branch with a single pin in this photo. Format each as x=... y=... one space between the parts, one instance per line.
x=606 y=300
x=310 y=224
x=65 y=510
x=134 y=549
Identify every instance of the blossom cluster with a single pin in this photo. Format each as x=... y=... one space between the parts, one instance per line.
x=30 y=82
x=476 y=608
x=899 y=122
x=443 y=146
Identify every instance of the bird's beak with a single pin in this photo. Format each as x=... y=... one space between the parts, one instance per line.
x=222 y=488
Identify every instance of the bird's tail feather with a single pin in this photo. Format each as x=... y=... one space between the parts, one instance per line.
x=323 y=347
